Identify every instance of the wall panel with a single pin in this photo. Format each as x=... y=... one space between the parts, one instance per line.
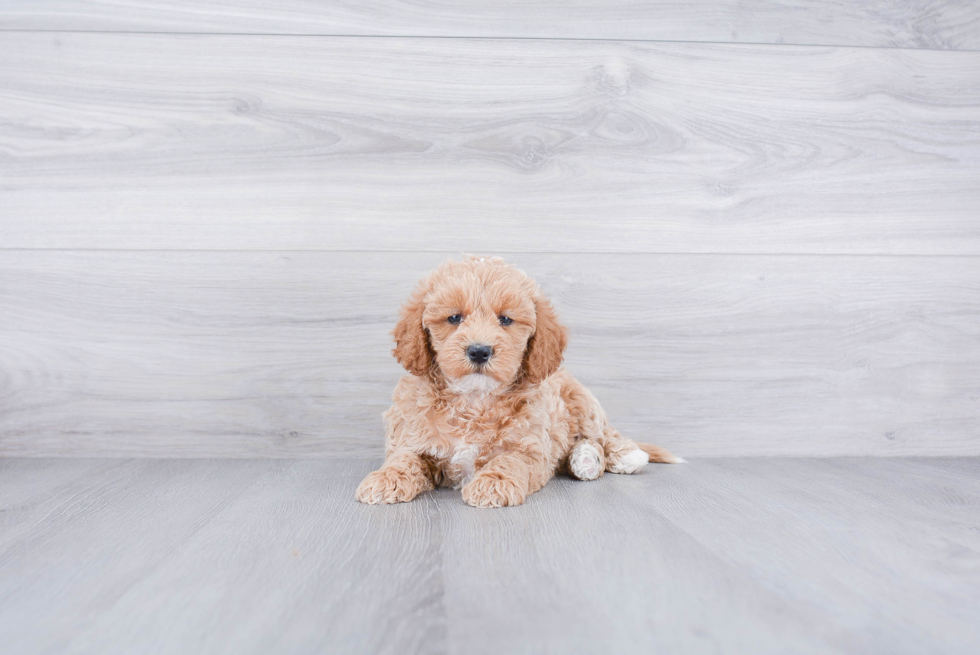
x=223 y=142
x=287 y=354
x=939 y=24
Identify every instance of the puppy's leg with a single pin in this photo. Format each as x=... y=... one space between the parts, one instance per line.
x=587 y=460
x=402 y=477
x=623 y=455
x=626 y=456
x=505 y=480
x=619 y=455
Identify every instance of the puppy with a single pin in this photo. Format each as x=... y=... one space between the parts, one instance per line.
x=487 y=407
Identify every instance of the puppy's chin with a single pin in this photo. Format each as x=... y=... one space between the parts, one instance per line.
x=477 y=383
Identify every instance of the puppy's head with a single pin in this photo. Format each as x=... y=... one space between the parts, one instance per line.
x=481 y=325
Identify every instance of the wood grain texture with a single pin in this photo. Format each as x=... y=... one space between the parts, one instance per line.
x=287 y=354
x=289 y=529
x=943 y=24
x=866 y=555
x=222 y=142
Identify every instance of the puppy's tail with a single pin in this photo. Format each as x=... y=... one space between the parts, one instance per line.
x=660 y=455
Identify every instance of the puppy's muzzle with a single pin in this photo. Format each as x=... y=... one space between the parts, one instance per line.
x=479 y=353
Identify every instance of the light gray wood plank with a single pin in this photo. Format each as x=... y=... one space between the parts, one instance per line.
x=227 y=557
x=912 y=586
x=927 y=490
x=969 y=467
x=944 y=24
x=594 y=569
x=718 y=552
x=224 y=142
x=740 y=555
x=257 y=354
x=92 y=541
x=27 y=484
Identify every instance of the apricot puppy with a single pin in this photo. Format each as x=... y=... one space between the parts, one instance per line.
x=486 y=406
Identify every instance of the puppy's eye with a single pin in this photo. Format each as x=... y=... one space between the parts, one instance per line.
x=455 y=319
x=505 y=320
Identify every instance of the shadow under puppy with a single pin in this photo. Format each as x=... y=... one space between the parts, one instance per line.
x=488 y=407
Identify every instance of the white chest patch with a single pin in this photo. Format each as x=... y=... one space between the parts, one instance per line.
x=464 y=459
x=474 y=383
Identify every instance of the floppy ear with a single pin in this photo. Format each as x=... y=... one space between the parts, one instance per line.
x=544 y=350
x=412 y=347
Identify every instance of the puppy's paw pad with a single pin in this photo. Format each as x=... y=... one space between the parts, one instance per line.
x=492 y=491
x=386 y=486
x=629 y=462
x=585 y=462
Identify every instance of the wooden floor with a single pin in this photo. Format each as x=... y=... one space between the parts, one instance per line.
x=742 y=555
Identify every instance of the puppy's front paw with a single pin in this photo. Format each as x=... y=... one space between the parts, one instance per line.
x=388 y=485
x=493 y=490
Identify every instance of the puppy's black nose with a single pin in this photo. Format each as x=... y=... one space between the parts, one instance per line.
x=479 y=353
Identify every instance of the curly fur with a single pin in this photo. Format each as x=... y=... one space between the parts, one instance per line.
x=498 y=431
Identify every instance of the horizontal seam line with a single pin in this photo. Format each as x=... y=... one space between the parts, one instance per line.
x=489 y=38
x=500 y=252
